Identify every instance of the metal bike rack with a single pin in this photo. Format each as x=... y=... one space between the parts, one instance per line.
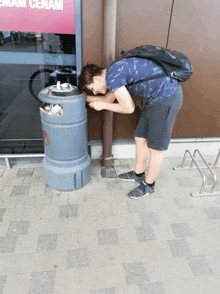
x=8 y=156
x=204 y=183
x=216 y=161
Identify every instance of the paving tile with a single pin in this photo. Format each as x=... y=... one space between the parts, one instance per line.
x=18 y=284
x=2 y=212
x=68 y=210
x=183 y=203
x=137 y=206
x=142 y=251
x=38 y=171
x=77 y=238
x=107 y=237
x=5 y=191
x=26 y=244
x=100 y=208
x=164 y=269
x=213 y=212
x=108 y=172
x=7 y=244
x=114 y=186
x=98 y=240
x=21 y=263
x=25 y=172
x=77 y=257
x=199 y=266
x=99 y=277
x=4 y=228
x=67 y=281
x=152 y=288
x=181 y=230
x=104 y=291
x=54 y=226
x=13 y=214
x=14 y=181
x=185 y=181
x=135 y=273
x=9 y=202
x=42 y=282
x=127 y=235
x=128 y=289
x=2 y=283
x=25 y=200
x=3 y=181
x=20 y=190
x=37 y=181
x=181 y=286
x=145 y=234
x=18 y=228
x=1 y=172
x=179 y=247
x=149 y=218
x=117 y=162
x=117 y=221
x=119 y=207
x=12 y=172
x=42 y=212
x=37 y=190
x=163 y=231
x=201 y=285
x=126 y=161
x=100 y=255
x=42 y=199
x=47 y=242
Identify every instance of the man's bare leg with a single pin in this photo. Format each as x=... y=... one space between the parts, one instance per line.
x=142 y=152
x=154 y=166
x=147 y=187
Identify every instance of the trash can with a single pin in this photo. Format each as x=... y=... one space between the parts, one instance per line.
x=66 y=163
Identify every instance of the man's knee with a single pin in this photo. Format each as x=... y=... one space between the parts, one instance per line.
x=156 y=153
x=139 y=140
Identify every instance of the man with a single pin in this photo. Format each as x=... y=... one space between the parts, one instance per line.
x=163 y=100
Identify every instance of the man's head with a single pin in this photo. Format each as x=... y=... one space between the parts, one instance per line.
x=92 y=78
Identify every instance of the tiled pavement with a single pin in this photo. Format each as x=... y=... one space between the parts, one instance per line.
x=96 y=240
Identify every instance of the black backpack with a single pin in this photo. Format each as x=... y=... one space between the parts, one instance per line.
x=175 y=64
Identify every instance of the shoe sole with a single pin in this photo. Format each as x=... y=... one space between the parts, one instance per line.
x=142 y=195
x=131 y=180
x=128 y=180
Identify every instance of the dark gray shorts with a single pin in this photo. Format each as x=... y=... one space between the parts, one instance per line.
x=157 y=120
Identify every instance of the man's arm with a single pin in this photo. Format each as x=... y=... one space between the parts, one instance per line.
x=125 y=103
x=109 y=98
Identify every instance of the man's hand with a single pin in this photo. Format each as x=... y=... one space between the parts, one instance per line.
x=98 y=105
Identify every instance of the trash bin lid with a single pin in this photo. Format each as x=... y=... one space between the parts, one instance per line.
x=63 y=90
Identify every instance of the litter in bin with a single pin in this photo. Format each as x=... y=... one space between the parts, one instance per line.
x=51 y=109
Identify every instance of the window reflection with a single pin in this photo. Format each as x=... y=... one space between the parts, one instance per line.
x=37 y=42
x=20 y=126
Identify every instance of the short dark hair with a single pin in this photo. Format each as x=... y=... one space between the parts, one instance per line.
x=87 y=74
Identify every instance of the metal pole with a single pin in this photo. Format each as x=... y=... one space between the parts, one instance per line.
x=79 y=44
x=109 y=48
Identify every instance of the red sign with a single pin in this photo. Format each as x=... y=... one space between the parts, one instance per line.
x=43 y=16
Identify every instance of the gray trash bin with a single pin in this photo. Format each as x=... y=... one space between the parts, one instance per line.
x=66 y=163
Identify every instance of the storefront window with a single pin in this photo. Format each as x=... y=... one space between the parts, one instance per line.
x=30 y=62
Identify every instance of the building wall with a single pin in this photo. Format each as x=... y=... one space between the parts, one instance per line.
x=194 y=30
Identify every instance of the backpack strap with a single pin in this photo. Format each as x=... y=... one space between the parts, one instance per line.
x=147 y=79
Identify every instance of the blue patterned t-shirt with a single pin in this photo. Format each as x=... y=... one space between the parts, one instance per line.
x=127 y=70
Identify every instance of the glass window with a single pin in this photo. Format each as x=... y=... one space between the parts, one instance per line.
x=30 y=62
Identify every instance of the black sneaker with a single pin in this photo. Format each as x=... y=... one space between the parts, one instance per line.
x=130 y=176
x=141 y=191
